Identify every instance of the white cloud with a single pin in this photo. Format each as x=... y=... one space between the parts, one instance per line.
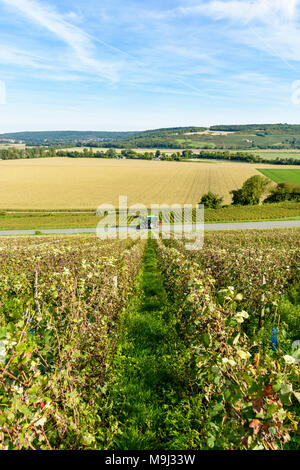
x=77 y=39
x=13 y=56
x=246 y=10
x=267 y=25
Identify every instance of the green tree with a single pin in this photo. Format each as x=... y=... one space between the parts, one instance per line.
x=211 y=200
x=111 y=153
x=251 y=191
x=187 y=154
x=284 y=191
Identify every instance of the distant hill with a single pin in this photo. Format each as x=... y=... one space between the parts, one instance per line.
x=64 y=136
x=231 y=137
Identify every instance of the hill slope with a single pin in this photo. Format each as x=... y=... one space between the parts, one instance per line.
x=251 y=136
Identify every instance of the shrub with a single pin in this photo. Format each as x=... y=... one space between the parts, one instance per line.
x=284 y=191
x=251 y=191
x=211 y=201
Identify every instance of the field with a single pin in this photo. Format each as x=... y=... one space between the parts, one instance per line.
x=267 y=154
x=232 y=140
x=9 y=146
x=278 y=176
x=272 y=154
x=56 y=220
x=142 y=345
x=61 y=183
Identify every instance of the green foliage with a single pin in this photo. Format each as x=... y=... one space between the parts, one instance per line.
x=289 y=311
x=59 y=313
x=275 y=211
x=249 y=392
x=251 y=191
x=53 y=137
x=105 y=345
x=211 y=200
x=235 y=137
x=14 y=220
x=284 y=191
x=147 y=395
x=60 y=150
x=14 y=153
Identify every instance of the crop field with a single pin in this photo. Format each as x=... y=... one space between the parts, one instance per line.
x=272 y=154
x=278 y=176
x=61 y=183
x=9 y=146
x=204 y=339
x=57 y=220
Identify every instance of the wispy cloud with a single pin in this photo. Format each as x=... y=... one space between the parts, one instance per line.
x=77 y=39
x=14 y=56
x=177 y=57
x=268 y=25
x=246 y=10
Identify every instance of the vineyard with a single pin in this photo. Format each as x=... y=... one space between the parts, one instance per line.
x=143 y=344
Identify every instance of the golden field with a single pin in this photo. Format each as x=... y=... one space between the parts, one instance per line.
x=10 y=146
x=65 y=183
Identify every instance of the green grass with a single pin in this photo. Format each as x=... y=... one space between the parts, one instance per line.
x=46 y=221
x=278 y=176
x=147 y=391
x=192 y=143
x=39 y=221
x=278 y=211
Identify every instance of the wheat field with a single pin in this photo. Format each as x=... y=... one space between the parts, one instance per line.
x=65 y=183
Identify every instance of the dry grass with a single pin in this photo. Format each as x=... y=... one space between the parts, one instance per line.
x=10 y=146
x=208 y=132
x=62 y=183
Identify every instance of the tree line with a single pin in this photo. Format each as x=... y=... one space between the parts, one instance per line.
x=248 y=157
x=14 y=153
x=46 y=152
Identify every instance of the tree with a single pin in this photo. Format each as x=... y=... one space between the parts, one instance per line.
x=187 y=154
x=239 y=198
x=111 y=153
x=284 y=191
x=251 y=191
x=211 y=200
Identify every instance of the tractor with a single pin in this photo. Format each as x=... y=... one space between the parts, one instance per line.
x=149 y=222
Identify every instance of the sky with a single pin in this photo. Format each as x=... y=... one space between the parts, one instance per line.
x=145 y=64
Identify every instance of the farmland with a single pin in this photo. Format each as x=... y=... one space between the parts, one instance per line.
x=269 y=154
x=58 y=183
x=9 y=146
x=272 y=154
x=36 y=220
x=278 y=176
x=87 y=326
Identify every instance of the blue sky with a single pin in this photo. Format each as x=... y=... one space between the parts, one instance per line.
x=134 y=64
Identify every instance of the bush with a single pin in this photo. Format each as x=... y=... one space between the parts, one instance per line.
x=251 y=191
x=211 y=201
x=284 y=191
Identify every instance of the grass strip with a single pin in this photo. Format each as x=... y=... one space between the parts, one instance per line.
x=147 y=394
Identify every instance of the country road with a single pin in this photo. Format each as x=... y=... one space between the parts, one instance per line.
x=216 y=226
